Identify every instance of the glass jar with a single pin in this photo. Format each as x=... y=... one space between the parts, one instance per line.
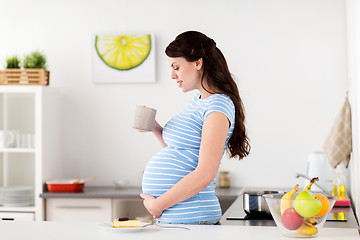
x=339 y=183
x=224 y=179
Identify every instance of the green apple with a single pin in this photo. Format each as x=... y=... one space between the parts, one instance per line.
x=306 y=205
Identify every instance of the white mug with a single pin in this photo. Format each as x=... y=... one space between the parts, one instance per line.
x=7 y=138
x=144 y=118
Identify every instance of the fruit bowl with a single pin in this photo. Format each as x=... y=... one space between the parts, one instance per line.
x=297 y=217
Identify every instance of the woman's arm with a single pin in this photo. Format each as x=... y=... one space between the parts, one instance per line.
x=214 y=133
x=157 y=131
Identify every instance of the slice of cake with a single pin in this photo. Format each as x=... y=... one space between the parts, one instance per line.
x=126 y=223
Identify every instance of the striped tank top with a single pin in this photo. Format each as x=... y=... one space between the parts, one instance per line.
x=182 y=134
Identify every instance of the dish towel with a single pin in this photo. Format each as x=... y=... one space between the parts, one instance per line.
x=338 y=144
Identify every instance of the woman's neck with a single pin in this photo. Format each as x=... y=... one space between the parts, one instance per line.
x=204 y=94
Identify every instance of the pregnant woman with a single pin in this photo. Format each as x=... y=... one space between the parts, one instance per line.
x=179 y=181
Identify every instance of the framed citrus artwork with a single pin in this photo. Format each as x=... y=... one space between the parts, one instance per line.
x=123 y=58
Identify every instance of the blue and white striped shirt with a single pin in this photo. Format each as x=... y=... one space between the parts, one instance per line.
x=182 y=134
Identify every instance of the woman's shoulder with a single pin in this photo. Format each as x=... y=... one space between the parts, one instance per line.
x=222 y=98
x=213 y=99
x=220 y=103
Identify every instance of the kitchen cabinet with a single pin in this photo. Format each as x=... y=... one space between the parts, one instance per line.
x=105 y=203
x=17 y=216
x=79 y=209
x=32 y=113
x=94 y=209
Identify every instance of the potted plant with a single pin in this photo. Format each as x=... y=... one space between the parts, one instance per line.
x=35 y=60
x=13 y=62
x=33 y=71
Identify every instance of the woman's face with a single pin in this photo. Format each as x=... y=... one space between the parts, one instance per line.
x=187 y=74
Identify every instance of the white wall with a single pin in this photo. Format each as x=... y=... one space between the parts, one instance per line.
x=353 y=36
x=289 y=57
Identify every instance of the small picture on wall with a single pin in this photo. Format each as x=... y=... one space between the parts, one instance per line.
x=123 y=58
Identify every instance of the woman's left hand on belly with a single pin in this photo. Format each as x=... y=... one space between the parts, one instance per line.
x=150 y=205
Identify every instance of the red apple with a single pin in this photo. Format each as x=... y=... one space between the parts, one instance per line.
x=291 y=219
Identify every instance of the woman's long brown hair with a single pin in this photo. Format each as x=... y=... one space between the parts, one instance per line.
x=194 y=45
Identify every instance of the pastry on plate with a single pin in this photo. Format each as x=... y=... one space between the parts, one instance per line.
x=126 y=223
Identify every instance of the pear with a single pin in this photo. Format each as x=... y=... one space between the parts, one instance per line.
x=306 y=204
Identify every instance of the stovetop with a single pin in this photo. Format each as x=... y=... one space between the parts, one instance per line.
x=337 y=215
x=241 y=215
x=340 y=217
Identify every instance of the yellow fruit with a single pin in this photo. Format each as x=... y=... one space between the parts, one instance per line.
x=325 y=204
x=310 y=221
x=307 y=230
x=123 y=52
x=286 y=200
x=308 y=226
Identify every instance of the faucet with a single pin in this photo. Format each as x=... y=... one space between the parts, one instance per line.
x=316 y=183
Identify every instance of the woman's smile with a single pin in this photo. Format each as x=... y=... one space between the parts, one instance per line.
x=179 y=82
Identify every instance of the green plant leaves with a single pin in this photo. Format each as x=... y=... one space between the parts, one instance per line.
x=12 y=62
x=35 y=60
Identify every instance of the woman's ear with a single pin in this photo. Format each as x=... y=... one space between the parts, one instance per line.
x=199 y=63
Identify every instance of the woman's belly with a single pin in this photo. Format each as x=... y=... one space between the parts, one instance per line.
x=166 y=168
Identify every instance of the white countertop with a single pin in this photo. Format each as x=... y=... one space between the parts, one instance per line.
x=92 y=231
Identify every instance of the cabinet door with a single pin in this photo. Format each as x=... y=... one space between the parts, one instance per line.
x=78 y=209
x=16 y=216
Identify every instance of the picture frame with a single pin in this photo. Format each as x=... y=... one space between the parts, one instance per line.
x=123 y=58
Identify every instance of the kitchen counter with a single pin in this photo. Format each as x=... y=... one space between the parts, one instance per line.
x=128 y=193
x=104 y=203
x=43 y=230
x=97 y=192
x=230 y=196
x=247 y=229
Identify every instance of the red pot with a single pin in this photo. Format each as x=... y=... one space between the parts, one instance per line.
x=59 y=186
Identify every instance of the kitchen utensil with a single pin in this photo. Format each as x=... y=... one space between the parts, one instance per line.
x=254 y=204
x=16 y=196
x=120 y=183
x=167 y=226
x=65 y=186
x=25 y=140
x=82 y=180
x=108 y=226
x=7 y=138
x=288 y=220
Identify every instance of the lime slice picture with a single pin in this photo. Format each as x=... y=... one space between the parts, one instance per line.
x=123 y=52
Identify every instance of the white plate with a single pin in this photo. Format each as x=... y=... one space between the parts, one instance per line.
x=108 y=226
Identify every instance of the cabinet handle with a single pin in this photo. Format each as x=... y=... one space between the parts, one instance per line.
x=7 y=219
x=82 y=207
